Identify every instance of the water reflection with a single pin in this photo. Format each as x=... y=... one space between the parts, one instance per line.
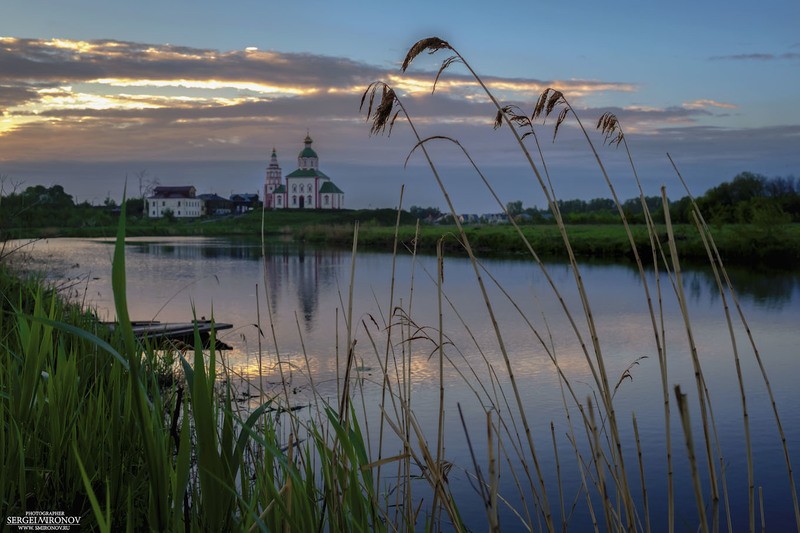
x=768 y=289
x=309 y=283
x=308 y=271
x=195 y=250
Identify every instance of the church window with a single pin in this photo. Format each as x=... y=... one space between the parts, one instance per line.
x=308 y=200
x=294 y=200
x=327 y=199
x=294 y=187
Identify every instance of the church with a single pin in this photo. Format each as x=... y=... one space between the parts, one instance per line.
x=305 y=188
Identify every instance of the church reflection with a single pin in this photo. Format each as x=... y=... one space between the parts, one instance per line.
x=291 y=270
x=306 y=271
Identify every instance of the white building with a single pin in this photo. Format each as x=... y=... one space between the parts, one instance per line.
x=181 y=201
x=306 y=188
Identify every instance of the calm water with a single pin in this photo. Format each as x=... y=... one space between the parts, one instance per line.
x=301 y=292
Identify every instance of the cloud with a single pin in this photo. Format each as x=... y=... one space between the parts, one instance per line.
x=113 y=99
x=704 y=103
x=89 y=112
x=787 y=56
x=14 y=95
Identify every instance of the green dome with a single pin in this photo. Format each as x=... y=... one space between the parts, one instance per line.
x=308 y=152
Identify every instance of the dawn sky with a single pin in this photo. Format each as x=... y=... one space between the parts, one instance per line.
x=198 y=93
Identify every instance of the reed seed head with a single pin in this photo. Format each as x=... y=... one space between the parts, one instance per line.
x=609 y=126
x=384 y=114
x=430 y=44
x=547 y=102
x=446 y=63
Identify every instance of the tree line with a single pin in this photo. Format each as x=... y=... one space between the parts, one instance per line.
x=40 y=207
x=747 y=199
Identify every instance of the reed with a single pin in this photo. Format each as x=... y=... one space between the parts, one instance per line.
x=608 y=449
x=90 y=425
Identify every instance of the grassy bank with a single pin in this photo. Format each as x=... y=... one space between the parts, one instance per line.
x=285 y=222
x=738 y=243
x=776 y=246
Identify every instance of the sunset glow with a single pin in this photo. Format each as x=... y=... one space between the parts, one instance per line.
x=140 y=93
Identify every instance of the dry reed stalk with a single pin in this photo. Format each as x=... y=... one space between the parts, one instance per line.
x=260 y=350
x=314 y=391
x=494 y=475
x=739 y=377
x=380 y=122
x=389 y=332
x=440 y=351
x=641 y=475
x=430 y=471
x=683 y=409
x=344 y=400
x=610 y=127
x=493 y=397
x=406 y=423
x=599 y=465
x=547 y=102
x=756 y=353
x=583 y=469
x=703 y=399
x=558 y=478
x=437 y=474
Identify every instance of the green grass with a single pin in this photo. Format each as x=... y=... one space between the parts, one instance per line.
x=738 y=243
x=774 y=246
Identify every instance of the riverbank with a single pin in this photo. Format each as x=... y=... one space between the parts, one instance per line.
x=774 y=246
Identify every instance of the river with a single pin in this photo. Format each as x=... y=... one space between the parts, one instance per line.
x=301 y=293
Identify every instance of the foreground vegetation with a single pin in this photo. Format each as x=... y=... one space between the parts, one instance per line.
x=129 y=436
x=101 y=425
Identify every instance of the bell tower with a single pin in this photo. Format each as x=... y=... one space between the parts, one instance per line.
x=273 y=180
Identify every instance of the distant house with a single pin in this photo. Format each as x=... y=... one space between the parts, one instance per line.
x=305 y=188
x=181 y=201
x=215 y=205
x=242 y=203
x=495 y=218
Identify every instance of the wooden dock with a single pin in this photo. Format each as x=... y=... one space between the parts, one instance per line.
x=158 y=332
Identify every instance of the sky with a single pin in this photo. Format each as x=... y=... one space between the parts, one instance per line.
x=98 y=95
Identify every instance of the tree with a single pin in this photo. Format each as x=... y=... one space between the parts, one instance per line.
x=425 y=213
x=514 y=208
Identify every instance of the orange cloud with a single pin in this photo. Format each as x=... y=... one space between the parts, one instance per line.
x=704 y=104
